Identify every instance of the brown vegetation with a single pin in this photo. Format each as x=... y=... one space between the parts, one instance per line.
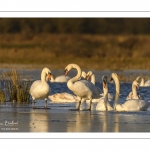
x=14 y=87
x=89 y=51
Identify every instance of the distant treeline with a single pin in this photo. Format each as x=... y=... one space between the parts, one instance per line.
x=76 y=25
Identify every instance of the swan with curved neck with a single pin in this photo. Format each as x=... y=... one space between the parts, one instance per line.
x=84 y=89
x=40 y=88
x=65 y=97
x=130 y=105
x=103 y=104
x=134 y=94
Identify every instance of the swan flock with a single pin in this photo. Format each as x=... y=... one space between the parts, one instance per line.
x=84 y=90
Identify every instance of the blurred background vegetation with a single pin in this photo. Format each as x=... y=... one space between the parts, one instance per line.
x=93 y=43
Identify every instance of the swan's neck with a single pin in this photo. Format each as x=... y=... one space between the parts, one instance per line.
x=105 y=96
x=142 y=82
x=93 y=79
x=71 y=82
x=117 y=83
x=43 y=76
x=134 y=90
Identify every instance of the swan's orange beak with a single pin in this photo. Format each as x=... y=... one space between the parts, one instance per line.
x=87 y=77
x=104 y=84
x=49 y=76
x=66 y=72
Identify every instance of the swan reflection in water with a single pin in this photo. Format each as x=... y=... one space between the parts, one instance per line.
x=39 y=121
x=95 y=122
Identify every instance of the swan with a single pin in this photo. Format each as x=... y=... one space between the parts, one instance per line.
x=65 y=97
x=60 y=78
x=137 y=95
x=92 y=75
x=84 y=89
x=142 y=83
x=40 y=88
x=103 y=103
x=129 y=105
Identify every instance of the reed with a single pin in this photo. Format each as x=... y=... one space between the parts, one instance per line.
x=16 y=89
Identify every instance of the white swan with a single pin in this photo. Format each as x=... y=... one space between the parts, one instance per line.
x=103 y=104
x=65 y=97
x=129 y=105
x=60 y=78
x=142 y=83
x=84 y=89
x=40 y=88
x=134 y=94
x=92 y=75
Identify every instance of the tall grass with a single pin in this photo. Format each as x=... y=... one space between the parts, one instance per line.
x=16 y=89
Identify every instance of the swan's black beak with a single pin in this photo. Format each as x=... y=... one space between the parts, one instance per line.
x=138 y=87
x=104 y=79
x=66 y=72
x=111 y=79
x=87 y=77
x=49 y=76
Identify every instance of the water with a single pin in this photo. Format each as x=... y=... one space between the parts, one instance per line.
x=23 y=118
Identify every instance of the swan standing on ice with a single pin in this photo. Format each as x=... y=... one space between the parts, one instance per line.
x=103 y=104
x=84 y=89
x=65 y=97
x=129 y=105
x=92 y=75
x=40 y=88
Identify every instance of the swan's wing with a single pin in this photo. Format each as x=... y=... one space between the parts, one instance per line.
x=62 y=78
x=130 y=96
x=147 y=83
x=63 y=97
x=39 y=90
x=34 y=85
x=85 y=89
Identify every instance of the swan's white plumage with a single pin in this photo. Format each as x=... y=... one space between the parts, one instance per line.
x=40 y=89
x=63 y=98
x=84 y=89
x=61 y=78
x=129 y=105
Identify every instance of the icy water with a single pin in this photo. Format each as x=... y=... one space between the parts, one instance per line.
x=23 y=118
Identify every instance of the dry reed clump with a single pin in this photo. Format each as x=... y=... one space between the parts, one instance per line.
x=2 y=94
x=16 y=89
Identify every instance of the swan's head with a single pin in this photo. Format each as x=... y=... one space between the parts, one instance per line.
x=88 y=75
x=104 y=80
x=83 y=74
x=68 y=68
x=135 y=83
x=138 y=79
x=113 y=75
x=47 y=72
